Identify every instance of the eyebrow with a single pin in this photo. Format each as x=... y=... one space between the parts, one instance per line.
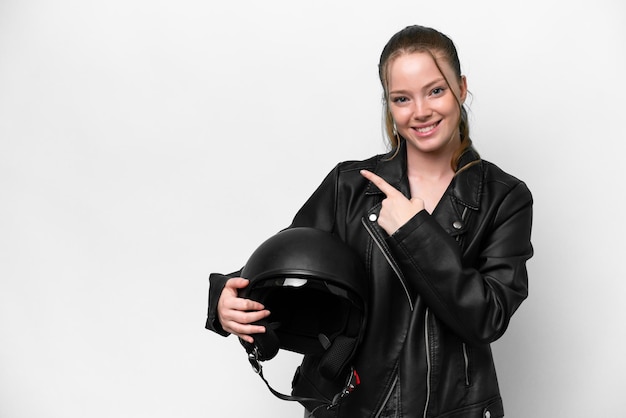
x=426 y=87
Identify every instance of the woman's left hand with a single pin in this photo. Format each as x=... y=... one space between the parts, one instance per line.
x=396 y=208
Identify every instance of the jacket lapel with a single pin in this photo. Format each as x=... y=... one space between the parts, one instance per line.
x=461 y=198
x=393 y=170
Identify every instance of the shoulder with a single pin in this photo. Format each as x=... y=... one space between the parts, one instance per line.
x=348 y=171
x=358 y=165
x=498 y=181
x=494 y=173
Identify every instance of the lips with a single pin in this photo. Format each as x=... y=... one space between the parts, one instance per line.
x=425 y=130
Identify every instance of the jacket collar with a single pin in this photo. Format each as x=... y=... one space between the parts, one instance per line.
x=466 y=186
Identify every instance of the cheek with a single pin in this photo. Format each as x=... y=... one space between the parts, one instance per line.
x=400 y=115
x=447 y=108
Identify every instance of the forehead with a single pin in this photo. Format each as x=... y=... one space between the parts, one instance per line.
x=418 y=70
x=418 y=67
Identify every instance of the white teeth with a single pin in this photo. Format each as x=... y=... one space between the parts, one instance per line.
x=426 y=129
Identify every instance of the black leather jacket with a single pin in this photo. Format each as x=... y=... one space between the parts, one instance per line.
x=442 y=287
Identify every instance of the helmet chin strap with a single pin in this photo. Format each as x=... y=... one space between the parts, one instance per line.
x=352 y=382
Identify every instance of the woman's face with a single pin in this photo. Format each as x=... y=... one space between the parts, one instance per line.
x=423 y=105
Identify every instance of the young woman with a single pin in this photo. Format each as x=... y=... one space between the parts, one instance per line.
x=444 y=235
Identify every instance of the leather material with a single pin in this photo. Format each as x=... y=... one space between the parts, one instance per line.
x=442 y=287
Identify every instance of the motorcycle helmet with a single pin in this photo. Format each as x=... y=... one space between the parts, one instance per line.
x=314 y=285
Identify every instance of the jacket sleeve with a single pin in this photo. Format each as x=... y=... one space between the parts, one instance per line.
x=476 y=301
x=217 y=282
x=320 y=209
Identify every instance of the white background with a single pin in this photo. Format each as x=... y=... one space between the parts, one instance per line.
x=145 y=144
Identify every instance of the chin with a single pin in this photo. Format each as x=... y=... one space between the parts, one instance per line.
x=429 y=146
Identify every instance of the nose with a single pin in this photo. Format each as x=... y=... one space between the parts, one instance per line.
x=421 y=110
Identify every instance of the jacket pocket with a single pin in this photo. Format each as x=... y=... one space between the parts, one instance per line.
x=491 y=408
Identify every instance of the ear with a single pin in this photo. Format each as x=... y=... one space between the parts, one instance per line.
x=463 y=86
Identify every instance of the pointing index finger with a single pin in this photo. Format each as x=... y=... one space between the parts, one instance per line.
x=379 y=182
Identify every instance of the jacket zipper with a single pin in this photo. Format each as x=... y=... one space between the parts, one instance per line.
x=391 y=263
x=377 y=239
x=428 y=364
x=396 y=270
x=466 y=359
x=464 y=346
x=382 y=406
x=428 y=372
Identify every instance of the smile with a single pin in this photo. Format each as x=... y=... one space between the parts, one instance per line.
x=426 y=129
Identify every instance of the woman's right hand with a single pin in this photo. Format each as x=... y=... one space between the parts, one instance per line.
x=237 y=314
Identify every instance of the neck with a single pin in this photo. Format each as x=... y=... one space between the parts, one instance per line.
x=429 y=165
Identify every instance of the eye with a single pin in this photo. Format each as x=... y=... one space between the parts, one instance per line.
x=400 y=99
x=437 y=91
